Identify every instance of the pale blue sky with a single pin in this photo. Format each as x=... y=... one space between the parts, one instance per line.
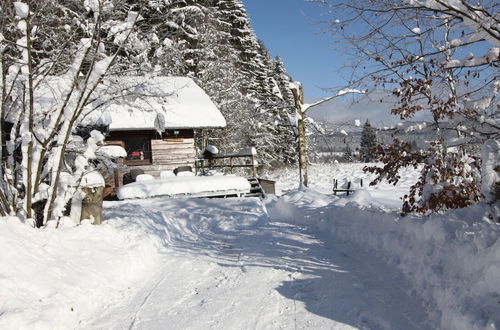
x=289 y=29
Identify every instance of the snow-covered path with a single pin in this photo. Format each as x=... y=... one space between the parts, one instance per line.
x=228 y=265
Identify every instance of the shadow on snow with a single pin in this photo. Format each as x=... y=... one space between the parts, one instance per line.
x=332 y=279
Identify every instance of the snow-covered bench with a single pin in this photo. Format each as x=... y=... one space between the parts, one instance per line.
x=347 y=185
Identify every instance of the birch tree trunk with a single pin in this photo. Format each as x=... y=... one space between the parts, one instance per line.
x=298 y=95
x=301 y=112
x=4 y=205
x=303 y=159
x=29 y=177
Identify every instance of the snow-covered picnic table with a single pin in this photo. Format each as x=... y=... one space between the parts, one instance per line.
x=186 y=186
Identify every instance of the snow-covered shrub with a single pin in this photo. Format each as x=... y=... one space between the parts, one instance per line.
x=423 y=53
x=447 y=180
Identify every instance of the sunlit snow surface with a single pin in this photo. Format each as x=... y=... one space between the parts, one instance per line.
x=306 y=260
x=185 y=186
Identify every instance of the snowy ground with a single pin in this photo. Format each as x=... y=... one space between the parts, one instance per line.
x=321 y=179
x=305 y=260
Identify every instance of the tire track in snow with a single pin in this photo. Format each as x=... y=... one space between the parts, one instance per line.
x=144 y=301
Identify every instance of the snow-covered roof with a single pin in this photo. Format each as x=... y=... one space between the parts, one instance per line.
x=145 y=103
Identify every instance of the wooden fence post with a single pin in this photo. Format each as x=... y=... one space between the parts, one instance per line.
x=254 y=167
x=92 y=184
x=92 y=204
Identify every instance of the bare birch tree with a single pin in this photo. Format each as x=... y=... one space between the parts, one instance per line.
x=436 y=56
x=47 y=89
x=301 y=109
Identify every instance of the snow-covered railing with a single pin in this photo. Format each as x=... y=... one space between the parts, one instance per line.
x=213 y=160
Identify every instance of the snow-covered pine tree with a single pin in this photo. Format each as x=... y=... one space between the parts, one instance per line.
x=252 y=107
x=250 y=65
x=190 y=16
x=347 y=156
x=246 y=43
x=283 y=81
x=271 y=111
x=159 y=43
x=219 y=75
x=288 y=151
x=137 y=53
x=368 y=144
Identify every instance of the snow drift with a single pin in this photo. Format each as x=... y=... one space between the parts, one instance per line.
x=54 y=278
x=453 y=259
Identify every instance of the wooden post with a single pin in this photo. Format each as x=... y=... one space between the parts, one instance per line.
x=254 y=167
x=92 y=204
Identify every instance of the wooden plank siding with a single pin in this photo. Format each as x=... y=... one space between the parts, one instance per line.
x=174 y=148
x=171 y=153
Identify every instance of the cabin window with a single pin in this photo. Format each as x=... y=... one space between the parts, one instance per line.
x=137 y=144
x=138 y=149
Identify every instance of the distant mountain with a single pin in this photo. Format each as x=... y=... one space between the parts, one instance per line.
x=337 y=137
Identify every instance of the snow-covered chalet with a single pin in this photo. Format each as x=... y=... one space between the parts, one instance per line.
x=155 y=120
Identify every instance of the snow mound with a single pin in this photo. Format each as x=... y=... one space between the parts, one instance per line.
x=144 y=178
x=186 y=173
x=212 y=149
x=166 y=174
x=54 y=278
x=185 y=186
x=112 y=152
x=362 y=198
x=306 y=196
x=92 y=180
x=453 y=259
x=177 y=223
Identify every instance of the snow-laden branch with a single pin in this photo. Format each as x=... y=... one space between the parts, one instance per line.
x=493 y=55
x=476 y=17
x=345 y=91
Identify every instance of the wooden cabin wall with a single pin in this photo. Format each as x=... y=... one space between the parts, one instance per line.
x=171 y=153
x=171 y=149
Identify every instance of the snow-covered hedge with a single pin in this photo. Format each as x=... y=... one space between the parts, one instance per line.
x=453 y=259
